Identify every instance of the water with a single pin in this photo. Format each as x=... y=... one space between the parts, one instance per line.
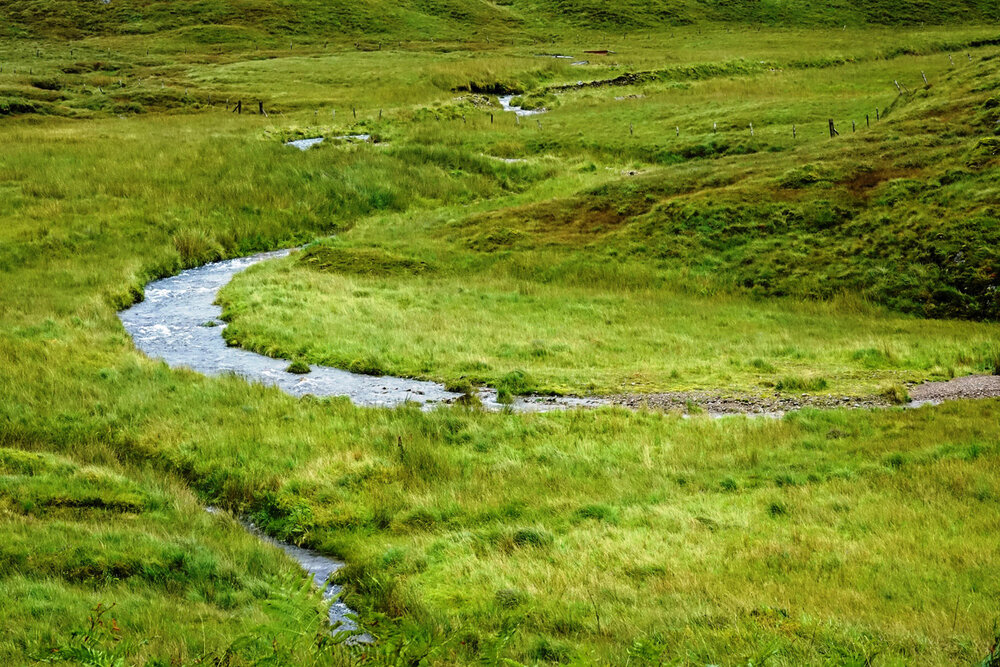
x=179 y=323
x=321 y=568
x=306 y=144
x=505 y=103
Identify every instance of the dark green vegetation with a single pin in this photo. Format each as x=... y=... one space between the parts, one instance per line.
x=216 y=22
x=587 y=537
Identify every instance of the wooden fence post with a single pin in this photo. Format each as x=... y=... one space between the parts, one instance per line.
x=793 y=132
x=751 y=129
x=833 y=129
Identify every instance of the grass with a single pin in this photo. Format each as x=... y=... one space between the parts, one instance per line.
x=140 y=548
x=635 y=284
x=587 y=332
x=587 y=537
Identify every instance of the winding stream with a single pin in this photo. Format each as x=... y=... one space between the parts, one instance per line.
x=178 y=322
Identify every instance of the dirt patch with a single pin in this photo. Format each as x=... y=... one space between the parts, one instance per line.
x=693 y=402
x=359 y=261
x=862 y=182
x=970 y=386
x=560 y=222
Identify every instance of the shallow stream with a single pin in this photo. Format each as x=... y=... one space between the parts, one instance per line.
x=179 y=322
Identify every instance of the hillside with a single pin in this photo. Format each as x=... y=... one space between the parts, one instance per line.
x=416 y=19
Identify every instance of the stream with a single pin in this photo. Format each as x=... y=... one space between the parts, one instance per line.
x=321 y=568
x=179 y=322
x=505 y=103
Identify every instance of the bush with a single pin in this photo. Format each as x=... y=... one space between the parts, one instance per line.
x=367 y=366
x=531 y=537
x=195 y=247
x=516 y=383
x=896 y=394
x=794 y=383
x=298 y=367
x=598 y=512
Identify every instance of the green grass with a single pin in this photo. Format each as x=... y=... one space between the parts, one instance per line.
x=587 y=537
x=655 y=281
x=589 y=332
x=217 y=22
x=79 y=537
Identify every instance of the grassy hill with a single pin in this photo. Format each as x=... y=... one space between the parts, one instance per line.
x=637 y=237
x=333 y=19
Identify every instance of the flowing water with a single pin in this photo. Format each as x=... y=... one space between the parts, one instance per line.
x=306 y=144
x=178 y=322
x=321 y=568
x=505 y=102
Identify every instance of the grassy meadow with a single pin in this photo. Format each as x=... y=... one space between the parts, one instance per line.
x=619 y=242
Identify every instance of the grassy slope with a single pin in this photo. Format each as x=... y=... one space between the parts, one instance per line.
x=79 y=538
x=587 y=293
x=312 y=18
x=690 y=541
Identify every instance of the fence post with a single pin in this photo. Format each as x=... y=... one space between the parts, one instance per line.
x=833 y=129
x=751 y=129
x=793 y=132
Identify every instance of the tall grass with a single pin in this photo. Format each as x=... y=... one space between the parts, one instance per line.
x=589 y=537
